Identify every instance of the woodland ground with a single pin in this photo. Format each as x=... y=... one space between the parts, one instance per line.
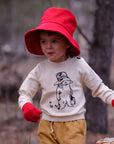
x=15 y=130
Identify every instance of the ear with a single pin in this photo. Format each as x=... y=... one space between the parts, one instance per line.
x=68 y=45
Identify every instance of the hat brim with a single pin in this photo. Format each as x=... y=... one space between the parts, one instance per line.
x=33 y=43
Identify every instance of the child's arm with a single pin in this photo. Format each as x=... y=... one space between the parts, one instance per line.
x=95 y=83
x=27 y=91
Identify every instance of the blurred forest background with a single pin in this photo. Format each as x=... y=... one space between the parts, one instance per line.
x=16 y=18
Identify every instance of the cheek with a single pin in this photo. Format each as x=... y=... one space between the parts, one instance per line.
x=42 y=48
x=64 y=49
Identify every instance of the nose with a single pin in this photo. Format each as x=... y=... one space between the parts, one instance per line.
x=49 y=45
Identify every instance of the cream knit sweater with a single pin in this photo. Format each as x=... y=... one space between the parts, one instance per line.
x=62 y=88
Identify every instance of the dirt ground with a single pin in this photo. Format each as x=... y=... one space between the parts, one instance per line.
x=15 y=130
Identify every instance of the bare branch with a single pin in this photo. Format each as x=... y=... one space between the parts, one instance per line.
x=84 y=36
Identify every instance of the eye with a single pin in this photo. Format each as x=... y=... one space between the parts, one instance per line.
x=55 y=41
x=42 y=41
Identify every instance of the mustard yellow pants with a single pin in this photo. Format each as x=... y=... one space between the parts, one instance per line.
x=72 y=132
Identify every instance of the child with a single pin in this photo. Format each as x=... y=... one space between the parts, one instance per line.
x=61 y=77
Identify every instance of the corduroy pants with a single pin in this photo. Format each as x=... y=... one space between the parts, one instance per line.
x=71 y=132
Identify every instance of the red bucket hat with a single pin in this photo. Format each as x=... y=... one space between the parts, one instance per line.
x=54 y=19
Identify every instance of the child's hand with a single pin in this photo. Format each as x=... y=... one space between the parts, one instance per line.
x=30 y=112
x=113 y=102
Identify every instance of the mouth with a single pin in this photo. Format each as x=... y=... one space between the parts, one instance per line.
x=50 y=53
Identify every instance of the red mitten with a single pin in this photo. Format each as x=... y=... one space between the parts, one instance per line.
x=30 y=112
x=113 y=102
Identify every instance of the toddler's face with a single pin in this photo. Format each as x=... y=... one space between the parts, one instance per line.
x=54 y=46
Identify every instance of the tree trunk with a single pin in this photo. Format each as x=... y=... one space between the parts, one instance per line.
x=100 y=60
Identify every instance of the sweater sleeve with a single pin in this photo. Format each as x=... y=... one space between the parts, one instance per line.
x=95 y=83
x=29 y=87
